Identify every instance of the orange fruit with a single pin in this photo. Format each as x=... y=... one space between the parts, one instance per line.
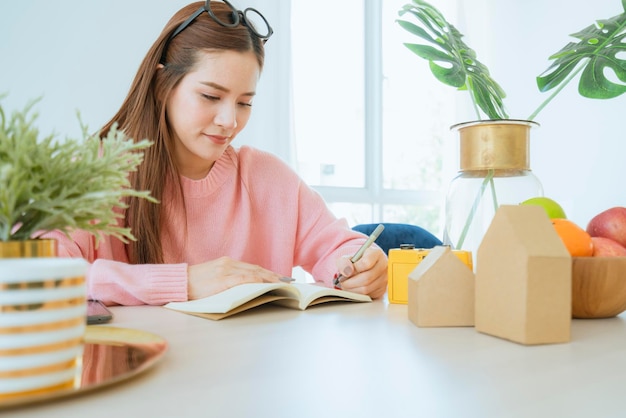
x=577 y=241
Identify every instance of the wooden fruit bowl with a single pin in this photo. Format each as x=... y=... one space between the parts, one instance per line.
x=598 y=286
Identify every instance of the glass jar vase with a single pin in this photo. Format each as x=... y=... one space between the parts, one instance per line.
x=494 y=170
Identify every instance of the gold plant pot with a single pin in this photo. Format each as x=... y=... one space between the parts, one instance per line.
x=29 y=248
x=494 y=144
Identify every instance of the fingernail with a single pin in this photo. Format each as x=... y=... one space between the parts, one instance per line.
x=287 y=279
x=347 y=271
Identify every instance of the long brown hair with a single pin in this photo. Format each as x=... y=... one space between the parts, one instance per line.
x=143 y=114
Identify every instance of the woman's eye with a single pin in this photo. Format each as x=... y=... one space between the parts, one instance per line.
x=209 y=97
x=245 y=104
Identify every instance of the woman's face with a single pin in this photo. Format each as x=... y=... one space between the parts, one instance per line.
x=209 y=107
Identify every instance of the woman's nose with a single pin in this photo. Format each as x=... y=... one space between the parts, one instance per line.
x=226 y=116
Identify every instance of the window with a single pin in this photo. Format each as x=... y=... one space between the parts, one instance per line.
x=371 y=123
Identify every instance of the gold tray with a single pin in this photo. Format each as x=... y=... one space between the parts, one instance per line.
x=111 y=355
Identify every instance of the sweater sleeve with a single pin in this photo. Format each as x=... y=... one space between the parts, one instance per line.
x=323 y=238
x=316 y=236
x=115 y=282
x=111 y=279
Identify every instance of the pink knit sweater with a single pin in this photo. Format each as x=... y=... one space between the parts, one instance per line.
x=251 y=207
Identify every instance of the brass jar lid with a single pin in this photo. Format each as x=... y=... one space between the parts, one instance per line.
x=29 y=248
x=494 y=144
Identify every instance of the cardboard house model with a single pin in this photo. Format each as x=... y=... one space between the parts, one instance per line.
x=441 y=291
x=523 y=278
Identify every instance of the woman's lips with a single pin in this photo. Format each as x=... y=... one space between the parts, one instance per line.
x=218 y=139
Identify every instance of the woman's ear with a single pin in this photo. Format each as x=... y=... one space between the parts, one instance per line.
x=160 y=66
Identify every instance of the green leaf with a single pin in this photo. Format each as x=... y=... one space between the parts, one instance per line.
x=453 y=75
x=595 y=55
x=49 y=184
x=451 y=61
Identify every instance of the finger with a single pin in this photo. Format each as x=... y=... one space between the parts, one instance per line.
x=375 y=288
x=372 y=280
x=368 y=262
x=251 y=273
x=380 y=289
x=345 y=266
x=259 y=274
x=357 y=281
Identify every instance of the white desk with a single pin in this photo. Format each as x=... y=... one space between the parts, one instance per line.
x=356 y=360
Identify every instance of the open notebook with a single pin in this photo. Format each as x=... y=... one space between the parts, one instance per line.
x=246 y=296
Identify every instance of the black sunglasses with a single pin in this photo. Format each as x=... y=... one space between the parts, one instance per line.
x=250 y=17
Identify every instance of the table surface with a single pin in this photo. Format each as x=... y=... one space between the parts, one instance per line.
x=355 y=360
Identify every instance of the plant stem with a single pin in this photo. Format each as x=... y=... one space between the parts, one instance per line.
x=470 y=90
x=470 y=216
x=493 y=190
x=555 y=92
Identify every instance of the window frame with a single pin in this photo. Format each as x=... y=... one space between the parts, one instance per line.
x=373 y=192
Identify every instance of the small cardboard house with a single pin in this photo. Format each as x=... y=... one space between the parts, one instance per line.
x=523 y=278
x=441 y=291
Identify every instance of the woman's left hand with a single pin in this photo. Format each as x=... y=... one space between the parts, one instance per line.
x=367 y=276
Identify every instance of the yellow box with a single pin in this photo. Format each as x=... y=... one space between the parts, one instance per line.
x=402 y=261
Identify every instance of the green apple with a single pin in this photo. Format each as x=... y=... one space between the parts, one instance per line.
x=553 y=209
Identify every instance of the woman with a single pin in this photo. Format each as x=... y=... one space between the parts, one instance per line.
x=227 y=216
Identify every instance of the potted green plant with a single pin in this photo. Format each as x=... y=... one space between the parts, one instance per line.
x=494 y=148
x=48 y=184
x=51 y=184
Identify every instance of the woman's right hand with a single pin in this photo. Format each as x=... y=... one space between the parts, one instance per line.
x=215 y=276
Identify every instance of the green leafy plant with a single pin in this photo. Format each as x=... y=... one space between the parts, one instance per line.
x=47 y=184
x=454 y=63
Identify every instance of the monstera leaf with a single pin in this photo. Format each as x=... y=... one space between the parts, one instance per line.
x=451 y=61
x=599 y=56
x=597 y=50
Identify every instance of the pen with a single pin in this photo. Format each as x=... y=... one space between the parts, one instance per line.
x=356 y=257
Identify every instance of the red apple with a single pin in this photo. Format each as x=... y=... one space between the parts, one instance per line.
x=609 y=224
x=606 y=247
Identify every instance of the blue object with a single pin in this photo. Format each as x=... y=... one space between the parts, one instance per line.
x=396 y=234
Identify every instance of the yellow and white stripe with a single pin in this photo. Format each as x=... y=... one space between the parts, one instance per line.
x=42 y=323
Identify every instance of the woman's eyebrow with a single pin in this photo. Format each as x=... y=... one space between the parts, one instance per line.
x=224 y=89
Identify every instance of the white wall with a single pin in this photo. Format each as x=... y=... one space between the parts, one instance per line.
x=82 y=54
